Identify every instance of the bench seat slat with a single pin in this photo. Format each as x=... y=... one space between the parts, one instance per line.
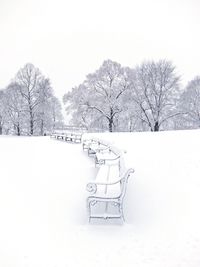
x=107 y=174
x=105 y=155
x=108 y=191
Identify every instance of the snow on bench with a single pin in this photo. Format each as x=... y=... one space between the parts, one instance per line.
x=108 y=188
x=96 y=148
x=68 y=137
x=95 y=145
x=74 y=138
x=88 y=142
x=53 y=135
x=109 y=156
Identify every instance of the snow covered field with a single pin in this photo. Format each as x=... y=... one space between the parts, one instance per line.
x=43 y=216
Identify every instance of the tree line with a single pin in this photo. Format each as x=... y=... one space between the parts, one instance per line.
x=148 y=97
x=28 y=105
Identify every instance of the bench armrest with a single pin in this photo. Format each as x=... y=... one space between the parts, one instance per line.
x=113 y=159
x=92 y=186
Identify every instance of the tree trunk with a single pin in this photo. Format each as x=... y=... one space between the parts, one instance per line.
x=18 y=130
x=31 y=120
x=1 y=128
x=42 y=128
x=110 y=124
x=31 y=126
x=156 y=127
x=31 y=114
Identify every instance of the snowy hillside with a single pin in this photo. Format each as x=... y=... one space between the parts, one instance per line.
x=43 y=216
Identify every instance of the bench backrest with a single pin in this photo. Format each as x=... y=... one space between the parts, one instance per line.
x=96 y=140
x=90 y=141
x=116 y=151
x=122 y=167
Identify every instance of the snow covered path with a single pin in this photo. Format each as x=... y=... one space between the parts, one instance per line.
x=43 y=218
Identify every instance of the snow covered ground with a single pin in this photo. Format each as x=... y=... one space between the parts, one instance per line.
x=43 y=217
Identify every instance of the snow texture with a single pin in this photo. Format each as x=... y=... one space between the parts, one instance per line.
x=43 y=216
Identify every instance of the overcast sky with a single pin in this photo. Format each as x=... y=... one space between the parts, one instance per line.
x=67 y=40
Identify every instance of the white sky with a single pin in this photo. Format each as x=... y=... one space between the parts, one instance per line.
x=67 y=40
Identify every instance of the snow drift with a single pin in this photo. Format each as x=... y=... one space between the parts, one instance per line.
x=43 y=203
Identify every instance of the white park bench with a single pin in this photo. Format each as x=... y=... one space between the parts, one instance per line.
x=109 y=156
x=87 y=142
x=97 y=148
x=73 y=137
x=60 y=136
x=95 y=145
x=77 y=138
x=53 y=135
x=68 y=137
x=107 y=191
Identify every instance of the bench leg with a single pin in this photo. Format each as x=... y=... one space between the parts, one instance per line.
x=89 y=153
x=121 y=211
x=89 y=210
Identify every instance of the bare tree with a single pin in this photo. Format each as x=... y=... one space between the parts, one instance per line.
x=190 y=104
x=100 y=98
x=14 y=107
x=2 y=111
x=29 y=79
x=76 y=107
x=42 y=110
x=55 y=113
x=154 y=93
x=38 y=98
x=5 y=124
